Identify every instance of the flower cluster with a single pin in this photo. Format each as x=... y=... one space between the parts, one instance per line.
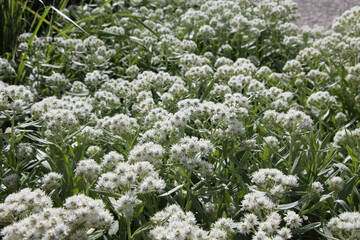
x=293 y=122
x=274 y=181
x=15 y=98
x=88 y=169
x=19 y=205
x=173 y=223
x=346 y=225
x=181 y=97
x=270 y=227
x=341 y=136
x=320 y=101
x=149 y=151
x=119 y=124
x=125 y=176
x=189 y=151
x=6 y=68
x=51 y=181
x=79 y=214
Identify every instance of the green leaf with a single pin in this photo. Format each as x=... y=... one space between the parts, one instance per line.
x=308 y=227
x=349 y=185
x=145 y=227
x=148 y=28
x=39 y=140
x=326 y=232
x=353 y=155
x=196 y=204
x=293 y=204
x=208 y=89
x=29 y=124
x=262 y=129
x=296 y=164
x=343 y=204
x=31 y=40
x=172 y=190
x=266 y=153
x=317 y=205
x=69 y=19
x=112 y=195
x=96 y=236
x=1 y=145
x=114 y=228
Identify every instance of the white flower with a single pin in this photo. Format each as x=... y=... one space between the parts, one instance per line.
x=126 y=204
x=336 y=184
x=51 y=181
x=260 y=235
x=256 y=201
x=244 y=228
x=110 y=160
x=57 y=79
x=292 y=219
x=225 y=224
x=284 y=233
x=271 y=142
x=149 y=151
x=88 y=169
x=317 y=188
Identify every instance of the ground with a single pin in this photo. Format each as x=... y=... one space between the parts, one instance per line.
x=322 y=12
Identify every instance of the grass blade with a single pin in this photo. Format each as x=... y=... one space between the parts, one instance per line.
x=69 y=19
x=31 y=40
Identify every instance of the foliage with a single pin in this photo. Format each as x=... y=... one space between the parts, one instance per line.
x=178 y=120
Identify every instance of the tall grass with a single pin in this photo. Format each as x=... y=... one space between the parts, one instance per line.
x=20 y=16
x=12 y=24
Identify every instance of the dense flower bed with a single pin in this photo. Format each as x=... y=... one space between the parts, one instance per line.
x=182 y=120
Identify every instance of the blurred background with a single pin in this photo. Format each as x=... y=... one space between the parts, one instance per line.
x=322 y=12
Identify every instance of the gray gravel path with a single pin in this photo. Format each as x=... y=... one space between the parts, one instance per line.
x=322 y=12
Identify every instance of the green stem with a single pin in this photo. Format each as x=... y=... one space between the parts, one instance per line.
x=128 y=229
x=12 y=143
x=87 y=188
x=155 y=202
x=291 y=153
x=188 y=189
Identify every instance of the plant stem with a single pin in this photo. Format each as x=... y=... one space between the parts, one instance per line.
x=291 y=153
x=12 y=143
x=128 y=229
x=188 y=204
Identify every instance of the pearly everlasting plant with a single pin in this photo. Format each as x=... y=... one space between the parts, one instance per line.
x=197 y=119
x=79 y=213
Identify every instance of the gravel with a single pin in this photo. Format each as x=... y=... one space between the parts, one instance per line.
x=322 y=12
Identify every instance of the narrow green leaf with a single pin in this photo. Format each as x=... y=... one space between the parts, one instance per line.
x=70 y=26
x=343 y=204
x=144 y=227
x=45 y=21
x=1 y=145
x=208 y=89
x=112 y=195
x=39 y=140
x=114 y=228
x=172 y=190
x=317 y=205
x=31 y=40
x=148 y=28
x=308 y=227
x=348 y=187
x=293 y=204
x=69 y=19
x=353 y=155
